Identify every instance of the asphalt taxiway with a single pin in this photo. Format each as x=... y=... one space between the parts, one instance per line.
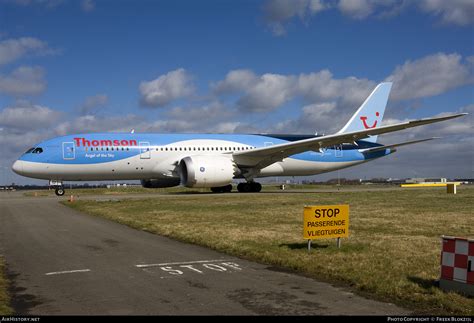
x=61 y=261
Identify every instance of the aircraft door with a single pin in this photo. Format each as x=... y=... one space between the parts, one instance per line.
x=144 y=150
x=69 y=151
x=338 y=151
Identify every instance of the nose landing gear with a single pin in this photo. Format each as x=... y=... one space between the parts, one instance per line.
x=59 y=191
x=58 y=187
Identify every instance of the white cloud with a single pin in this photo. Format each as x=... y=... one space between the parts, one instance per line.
x=91 y=123
x=322 y=86
x=92 y=103
x=207 y=114
x=87 y=5
x=166 y=88
x=185 y=126
x=361 y=9
x=252 y=93
x=429 y=76
x=24 y=80
x=270 y=92
x=320 y=114
x=358 y=9
x=25 y=115
x=277 y=12
x=46 y=3
x=14 y=49
x=236 y=80
x=457 y=12
x=266 y=92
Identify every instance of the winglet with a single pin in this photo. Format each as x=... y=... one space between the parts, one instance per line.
x=370 y=113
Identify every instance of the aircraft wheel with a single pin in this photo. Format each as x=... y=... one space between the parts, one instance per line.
x=59 y=191
x=222 y=189
x=244 y=187
x=256 y=187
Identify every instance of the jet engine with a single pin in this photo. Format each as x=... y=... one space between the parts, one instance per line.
x=207 y=171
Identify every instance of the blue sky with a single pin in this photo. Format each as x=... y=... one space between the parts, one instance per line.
x=248 y=66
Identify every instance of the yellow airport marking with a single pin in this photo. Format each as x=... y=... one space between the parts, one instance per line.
x=429 y=184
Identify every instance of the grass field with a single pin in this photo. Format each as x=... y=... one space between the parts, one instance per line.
x=4 y=298
x=140 y=190
x=392 y=253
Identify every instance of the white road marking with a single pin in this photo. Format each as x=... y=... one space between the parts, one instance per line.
x=68 y=272
x=182 y=263
x=191 y=267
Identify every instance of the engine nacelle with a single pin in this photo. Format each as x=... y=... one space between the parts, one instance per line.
x=206 y=171
x=160 y=183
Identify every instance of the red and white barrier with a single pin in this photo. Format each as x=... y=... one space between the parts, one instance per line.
x=457 y=264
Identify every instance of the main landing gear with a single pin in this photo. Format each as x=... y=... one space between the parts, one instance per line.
x=242 y=188
x=222 y=189
x=249 y=187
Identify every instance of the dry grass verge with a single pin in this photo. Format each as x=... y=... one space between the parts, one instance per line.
x=392 y=253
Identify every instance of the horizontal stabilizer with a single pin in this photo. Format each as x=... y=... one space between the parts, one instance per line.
x=264 y=156
x=379 y=148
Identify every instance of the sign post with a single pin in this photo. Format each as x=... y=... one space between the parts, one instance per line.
x=326 y=221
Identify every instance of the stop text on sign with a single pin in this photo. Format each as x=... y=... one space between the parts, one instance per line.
x=326 y=221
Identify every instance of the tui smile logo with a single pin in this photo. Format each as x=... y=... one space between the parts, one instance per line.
x=364 y=121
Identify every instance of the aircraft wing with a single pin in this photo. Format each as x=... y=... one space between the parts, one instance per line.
x=379 y=148
x=262 y=157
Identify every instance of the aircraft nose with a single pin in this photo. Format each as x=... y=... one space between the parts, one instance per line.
x=17 y=167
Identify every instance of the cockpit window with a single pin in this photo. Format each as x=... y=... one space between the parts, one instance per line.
x=37 y=150
x=29 y=150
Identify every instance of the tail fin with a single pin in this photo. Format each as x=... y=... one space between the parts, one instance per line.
x=370 y=113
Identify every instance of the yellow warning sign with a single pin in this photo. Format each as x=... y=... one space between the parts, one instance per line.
x=326 y=221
